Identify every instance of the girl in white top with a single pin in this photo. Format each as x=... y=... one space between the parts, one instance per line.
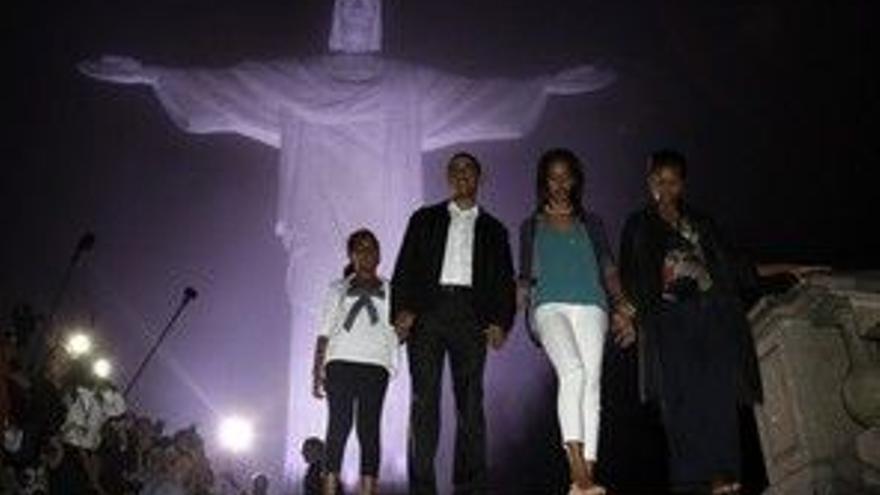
x=355 y=354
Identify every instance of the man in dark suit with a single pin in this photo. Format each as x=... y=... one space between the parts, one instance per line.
x=452 y=293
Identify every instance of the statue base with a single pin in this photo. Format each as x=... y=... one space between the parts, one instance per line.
x=810 y=341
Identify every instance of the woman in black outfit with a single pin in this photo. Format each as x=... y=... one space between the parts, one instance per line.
x=697 y=357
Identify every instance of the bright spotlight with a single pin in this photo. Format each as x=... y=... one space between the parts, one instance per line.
x=102 y=368
x=236 y=434
x=78 y=344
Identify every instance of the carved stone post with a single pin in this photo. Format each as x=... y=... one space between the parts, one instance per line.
x=821 y=376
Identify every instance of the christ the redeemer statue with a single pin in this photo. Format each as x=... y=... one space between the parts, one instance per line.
x=351 y=127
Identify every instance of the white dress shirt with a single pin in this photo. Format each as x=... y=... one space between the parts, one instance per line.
x=458 y=257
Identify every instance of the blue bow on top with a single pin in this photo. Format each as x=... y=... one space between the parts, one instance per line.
x=364 y=297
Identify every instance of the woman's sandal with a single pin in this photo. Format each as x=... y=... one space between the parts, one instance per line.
x=733 y=488
x=590 y=490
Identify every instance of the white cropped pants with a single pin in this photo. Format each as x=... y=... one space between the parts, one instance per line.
x=573 y=336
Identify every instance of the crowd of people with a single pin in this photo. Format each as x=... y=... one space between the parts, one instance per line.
x=67 y=430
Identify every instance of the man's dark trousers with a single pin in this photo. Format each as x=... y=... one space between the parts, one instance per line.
x=449 y=328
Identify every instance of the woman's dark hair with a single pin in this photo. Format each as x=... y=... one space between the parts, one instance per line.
x=352 y=241
x=667 y=158
x=575 y=167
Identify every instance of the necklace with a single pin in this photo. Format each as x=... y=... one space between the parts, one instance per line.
x=558 y=210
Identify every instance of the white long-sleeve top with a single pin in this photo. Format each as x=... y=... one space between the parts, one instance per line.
x=365 y=342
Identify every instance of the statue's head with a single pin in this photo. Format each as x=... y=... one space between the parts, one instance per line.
x=357 y=26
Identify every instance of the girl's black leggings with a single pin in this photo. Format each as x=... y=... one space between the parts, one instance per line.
x=355 y=391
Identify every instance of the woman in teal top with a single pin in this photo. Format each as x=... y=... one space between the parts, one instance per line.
x=568 y=277
x=569 y=268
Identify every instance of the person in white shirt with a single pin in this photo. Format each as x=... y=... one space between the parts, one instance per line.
x=454 y=296
x=355 y=354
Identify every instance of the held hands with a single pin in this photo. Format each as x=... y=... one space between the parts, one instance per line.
x=623 y=329
x=403 y=324
x=122 y=70
x=577 y=80
x=495 y=337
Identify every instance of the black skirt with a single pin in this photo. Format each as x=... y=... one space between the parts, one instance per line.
x=699 y=348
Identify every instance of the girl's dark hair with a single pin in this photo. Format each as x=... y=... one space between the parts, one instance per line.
x=353 y=239
x=575 y=167
x=667 y=158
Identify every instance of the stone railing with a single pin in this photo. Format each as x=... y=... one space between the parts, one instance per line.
x=819 y=351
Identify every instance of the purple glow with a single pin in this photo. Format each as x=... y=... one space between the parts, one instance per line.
x=171 y=209
x=351 y=131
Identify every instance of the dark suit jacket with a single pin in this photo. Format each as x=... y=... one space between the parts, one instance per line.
x=642 y=252
x=416 y=280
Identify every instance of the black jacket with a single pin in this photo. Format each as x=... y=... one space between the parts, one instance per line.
x=641 y=263
x=416 y=280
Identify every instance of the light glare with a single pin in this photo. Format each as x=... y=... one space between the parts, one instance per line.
x=236 y=434
x=102 y=368
x=78 y=344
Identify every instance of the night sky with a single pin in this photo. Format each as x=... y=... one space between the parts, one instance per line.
x=774 y=102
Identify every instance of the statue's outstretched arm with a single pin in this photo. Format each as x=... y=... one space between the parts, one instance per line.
x=118 y=69
x=580 y=79
x=458 y=109
x=243 y=99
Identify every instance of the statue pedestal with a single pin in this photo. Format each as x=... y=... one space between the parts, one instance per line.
x=813 y=343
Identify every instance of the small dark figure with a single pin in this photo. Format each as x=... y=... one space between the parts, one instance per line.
x=313 y=454
x=260 y=484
